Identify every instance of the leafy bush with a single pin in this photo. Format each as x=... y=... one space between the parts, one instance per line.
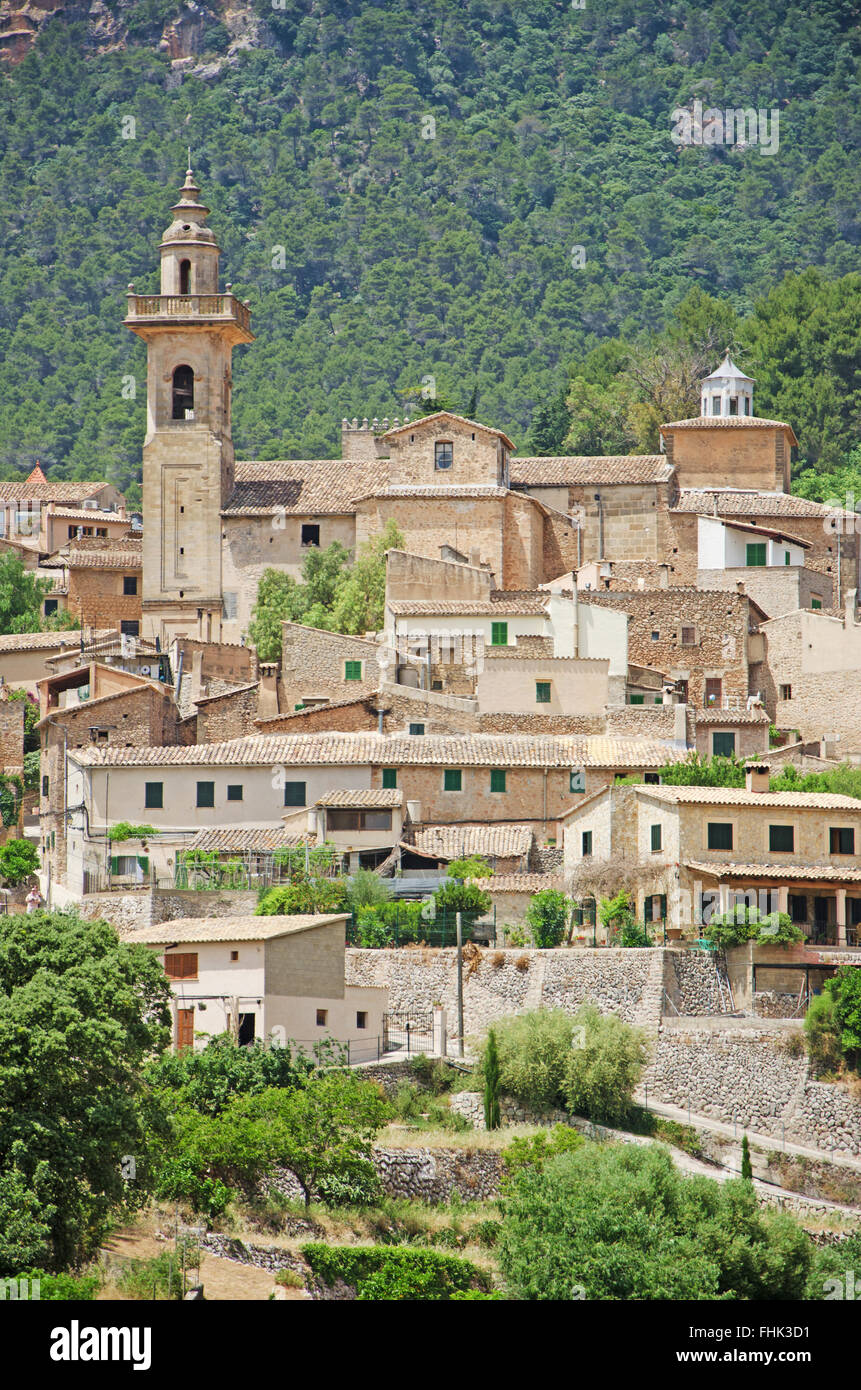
x=472 y=866
x=158 y=1278
x=207 y=1080
x=547 y=915
x=823 y=1034
x=56 y=1288
x=743 y=923
x=18 y=860
x=302 y=895
x=533 y=1151
x=366 y=889
x=434 y=1073
x=385 y=1272
x=533 y=1055
x=124 y=830
x=466 y=898
x=600 y=1076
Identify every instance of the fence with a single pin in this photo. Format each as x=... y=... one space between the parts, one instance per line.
x=398 y=925
x=409 y=1029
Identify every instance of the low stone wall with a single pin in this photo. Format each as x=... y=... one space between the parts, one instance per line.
x=692 y=982
x=768 y=1003
x=502 y=982
x=425 y=1175
x=130 y=912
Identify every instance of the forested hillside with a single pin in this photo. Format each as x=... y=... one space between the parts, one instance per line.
x=399 y=189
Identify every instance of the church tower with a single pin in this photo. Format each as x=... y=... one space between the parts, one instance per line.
x=190 y=330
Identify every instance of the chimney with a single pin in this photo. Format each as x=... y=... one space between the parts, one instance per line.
x=663 y=576
x=756 y=777
x=739 y=587
x=475 y=557
x=267 y=690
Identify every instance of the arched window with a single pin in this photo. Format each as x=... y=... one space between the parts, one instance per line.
x=183 y=393
x=185 y=277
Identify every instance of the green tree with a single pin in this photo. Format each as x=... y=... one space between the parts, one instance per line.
x=746 y=1165
x=622 y=1224
x=490 y=1075
x=533 y=1053
x=21 y=595
x=603 y=1066
x=18 y=860
x=304 y=894
x=823 y=1034
x=80 y=1012
x=547 y=915
x=466 y=898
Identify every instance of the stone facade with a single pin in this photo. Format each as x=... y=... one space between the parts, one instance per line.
x=314 y=666
x=809 y=677
x=740 y=452
x=11 y=734
x=776 y=589
x=231 y=715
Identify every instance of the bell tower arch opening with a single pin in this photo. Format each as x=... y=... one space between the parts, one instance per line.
x=185 y=276
x=183 y=393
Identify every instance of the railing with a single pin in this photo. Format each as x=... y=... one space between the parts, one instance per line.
x=184 y=306
x=399 y=927
x=408 y=1029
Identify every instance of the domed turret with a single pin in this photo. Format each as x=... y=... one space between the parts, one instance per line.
x=727 y=391
x=189 y=251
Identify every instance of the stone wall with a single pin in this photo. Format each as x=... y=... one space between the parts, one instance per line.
x=498 y=983
x=691 y=982
x=12 y=734
x=130 y=912
x=313 y=662
x=778 y=589
x=231 y=715
x=96 y=595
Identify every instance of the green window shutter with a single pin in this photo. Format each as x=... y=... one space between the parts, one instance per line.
x=417 y=729
x=662 y=898
x=756 y=554
x=294 y=793
x=497 y=779
x=390 y=777
x=352 y=671
x=206 y=794
x=723 y=745
x=638 y=699
x=452 y=779
x=154 y=796
x=115 y=864
x=786 y=557
x=587 y=843
x=816 y=603
x=781 y=839
x=499 y=634
x=143 y=861
x=656 y=837
x=719 y=835
x=542 y=692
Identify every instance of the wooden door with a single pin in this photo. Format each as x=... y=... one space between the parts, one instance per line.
x=184 y=1029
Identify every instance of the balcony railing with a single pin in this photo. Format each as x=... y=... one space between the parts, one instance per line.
x=189 y=306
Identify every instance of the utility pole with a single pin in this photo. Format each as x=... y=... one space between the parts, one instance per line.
x=459 y=985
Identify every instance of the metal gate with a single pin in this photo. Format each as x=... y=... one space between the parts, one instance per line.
x=411 y=1031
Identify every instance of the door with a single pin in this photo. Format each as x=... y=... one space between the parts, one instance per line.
x=246 y=1029
x=713 y=690
x=184 y=1029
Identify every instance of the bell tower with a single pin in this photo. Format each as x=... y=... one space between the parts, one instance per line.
x=190 y=330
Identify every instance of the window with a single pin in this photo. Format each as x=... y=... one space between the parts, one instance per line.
x=781 y=839
x=655 y=835
x=656 y=636
x=417 y=728
x=689 y=637
x=231 y=605
x=130 y=627
x=154 y=796
x=586 y=843
x=652 y=777
x=755 y=554
x=234 y=791
x=497 y=779
x=358 y=820
x=183 y=393
x=130 y=583
x=206 y=793
x=442 y=455
x=499 y=634
x=436 y=685
x=715 y=405
x=714 y=690
x=786 y=557
x=73 y=530
x=841 y=841
x=655 y=907
x=542 y=692
x=361 y=1019
x=181 y=966
x=51 y=606
x=733 y=405
x=185 y=277
x=815 y=602
x=294 y=793
x=310 y=534
x=352 y=670
x=786 y=692
x=46 y=785
x=723 y=745
x=452 y=779
x=322 y=1017
x=638 y=699
x=234 y=955
x=390 y=777
x=719 y=835
x=798 y=907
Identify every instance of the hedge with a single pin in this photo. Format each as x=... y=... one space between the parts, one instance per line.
x=434 y=1276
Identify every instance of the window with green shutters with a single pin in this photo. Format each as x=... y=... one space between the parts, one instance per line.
x=390 y=777
x=417 y=729
x=656 y=838
x=499 y=634
x=154 y=796
x=234 y=791
x=719 y=835
x=206 y=793
x=723 y=745
x=638 y=699
x=542 y=692
x=816 y=603
x=781 y=839
x=352 y=670
x=786 y=557
x=497 y=779
x=294 y=793
x=587 y=843
x=841 y=841
x=452 y=779
x=756 y=554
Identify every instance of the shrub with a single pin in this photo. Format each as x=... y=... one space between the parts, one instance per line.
x=289 y=1279
x=385 y=1272
x=18 y=860
x=366 y=889
x=547 y=915
x=55 y=1288
x=472 y=866
x=466 y=898
x=601 y=1075
x=534 y=1150
x=302 y=895
x=823 y=1033
x=533 y=1053
x=746 y=1165
x=433 y=1073
x=124 y=830
x=742 y=924
x=158 y=1278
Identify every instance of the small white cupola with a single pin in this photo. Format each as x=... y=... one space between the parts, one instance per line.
x=727 y=391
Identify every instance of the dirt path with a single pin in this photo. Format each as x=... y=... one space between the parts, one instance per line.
x=223 y=1280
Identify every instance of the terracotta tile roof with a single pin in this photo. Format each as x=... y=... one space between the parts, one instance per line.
x=589 y=470
x=438 y=416
x=90 y=514
x=352 y=796
x=455 y=841
x=245 y=837
x=64 y=491
x=731 y=716
x=754 y=529
x=434 y=750
x=225 y=694
x=190 y=929
x=738 y=502
x=299 y=487
x=39 y=641
x=811 y=872
x=311 y=709
x=122 y=554
x=505 y=604
x=520 y=883
x=739 y=796
x=729 y=422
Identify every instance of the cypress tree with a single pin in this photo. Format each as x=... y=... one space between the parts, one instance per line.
x=746 y=1166
x=491 y=1084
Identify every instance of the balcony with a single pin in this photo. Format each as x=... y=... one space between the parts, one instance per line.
x=144 y=309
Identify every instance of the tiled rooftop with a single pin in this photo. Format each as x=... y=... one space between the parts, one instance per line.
x=353 y=796
x=39 y=641
x=124 y=553
x=506 y=604
x=259 y=838
x=731 y=502
x=829 y=873
x=586 y=470
x=520 y=883
x=461 y=750
x=49 y=492
x=456 y=841
x=191 y=929
x=299 y=487
x=739 y=796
